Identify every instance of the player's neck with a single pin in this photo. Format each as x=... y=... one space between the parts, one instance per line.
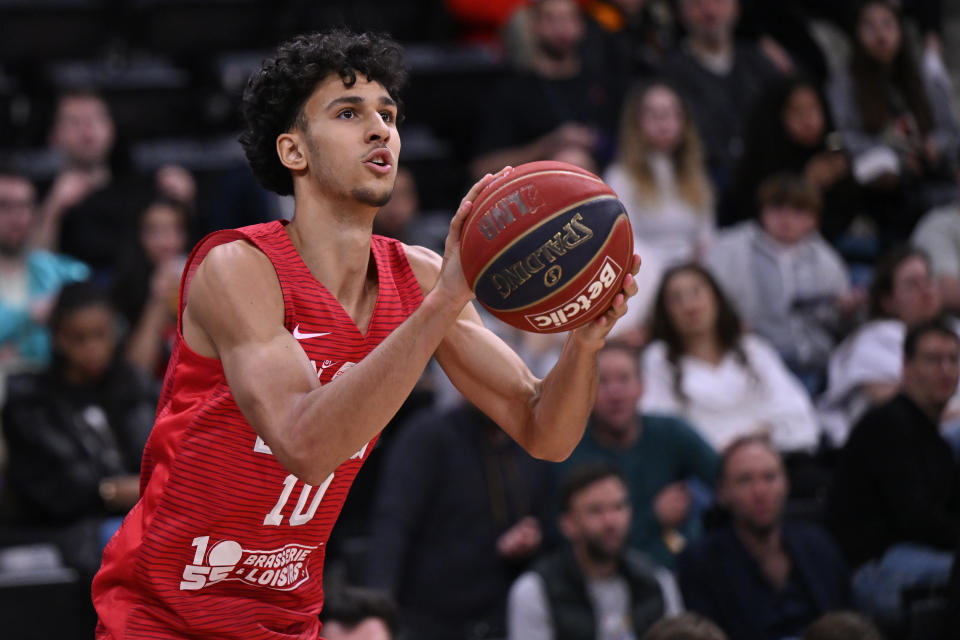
x=336 y=249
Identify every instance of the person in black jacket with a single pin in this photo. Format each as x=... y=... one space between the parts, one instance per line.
x=75 y=432
x=895 y=504
x=761 y=578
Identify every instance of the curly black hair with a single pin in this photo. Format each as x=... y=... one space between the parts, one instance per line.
x=276 y=93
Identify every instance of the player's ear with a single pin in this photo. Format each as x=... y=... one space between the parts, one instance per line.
x=291 y=150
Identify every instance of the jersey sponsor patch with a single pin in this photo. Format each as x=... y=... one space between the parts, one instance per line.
x=283 y=569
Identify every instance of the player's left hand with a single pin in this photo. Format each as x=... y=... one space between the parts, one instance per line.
x=597 y=330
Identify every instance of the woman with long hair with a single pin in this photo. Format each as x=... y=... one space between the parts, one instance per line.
x=896 y=118
x=660 y=176
x=726 y=383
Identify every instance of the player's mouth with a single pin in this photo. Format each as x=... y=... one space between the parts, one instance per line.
x=379 y=160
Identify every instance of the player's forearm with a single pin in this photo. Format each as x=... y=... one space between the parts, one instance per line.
x=335 y=421
x=563 y=404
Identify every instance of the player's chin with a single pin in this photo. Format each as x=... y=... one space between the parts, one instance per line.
x=375 y=196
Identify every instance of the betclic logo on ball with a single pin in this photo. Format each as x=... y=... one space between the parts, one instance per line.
x=564 y=314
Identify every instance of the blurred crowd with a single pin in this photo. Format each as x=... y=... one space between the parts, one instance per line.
x=774 y=450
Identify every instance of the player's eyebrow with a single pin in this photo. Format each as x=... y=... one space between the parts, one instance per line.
x=385 y=101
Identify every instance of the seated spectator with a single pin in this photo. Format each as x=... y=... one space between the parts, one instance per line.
x=76 y=431
x=459 y=512
x=790 y=286
x=718 y=79
x=724 y=382
x=595 y=586
x=865 y=368
x=660 y=177
x=895 y=502
x=90 y=209
x=559 y=102
x=897 y=120
x=30 y=279
x=790 y=130
x=686 y=626
x=657 y=454
x=842 y=625
x=758 y=577
x=352 y=613
x=938 y=235
x=147 y=288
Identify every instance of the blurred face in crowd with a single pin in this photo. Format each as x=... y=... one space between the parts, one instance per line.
x=162 y=233
x=710 y=22
x=369 y=629
x=661 y=119
x=84 y=130
x=17 y=206
x=691 y=304
x=930 y=377
x=87 y=339
x=803 y=117
x=630 y=7
x=598 y=519
x=557 y=27
x=786 y=223
x=914 y=297
x=619 y=389
x=754 y=487
x=393 y=217
x=879 y=32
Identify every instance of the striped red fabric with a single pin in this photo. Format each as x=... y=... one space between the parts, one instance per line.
x=224 y=542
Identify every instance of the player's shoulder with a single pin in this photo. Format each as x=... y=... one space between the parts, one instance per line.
x=425 y=264
x=234 y=275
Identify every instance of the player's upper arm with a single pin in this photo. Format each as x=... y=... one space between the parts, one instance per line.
x=235 y=307
x=484 y=368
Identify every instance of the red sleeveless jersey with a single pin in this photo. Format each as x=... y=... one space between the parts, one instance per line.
x=225 y=542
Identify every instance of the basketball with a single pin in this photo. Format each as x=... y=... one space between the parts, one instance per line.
x=546 y=247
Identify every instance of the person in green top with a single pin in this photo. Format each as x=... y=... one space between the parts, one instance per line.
x=657 y=454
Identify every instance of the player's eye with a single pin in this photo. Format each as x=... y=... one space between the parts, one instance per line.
x=347 y=114
x=387 y=116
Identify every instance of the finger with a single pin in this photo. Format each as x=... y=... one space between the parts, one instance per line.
x=635 y=267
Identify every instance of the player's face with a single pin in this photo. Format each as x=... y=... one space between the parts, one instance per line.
x=754 y=487
x=17 y=206
x=599 y=518
x=352 y=141
x=691 y=304
x=618 y=389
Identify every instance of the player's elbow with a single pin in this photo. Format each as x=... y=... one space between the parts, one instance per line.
x=547 y=446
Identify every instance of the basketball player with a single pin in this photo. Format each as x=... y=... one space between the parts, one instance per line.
x=296 y=345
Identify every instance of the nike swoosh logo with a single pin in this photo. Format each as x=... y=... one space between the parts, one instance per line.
x=306 y=336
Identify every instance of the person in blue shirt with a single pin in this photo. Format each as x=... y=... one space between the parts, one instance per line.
x=30 y=278
x=657 y=454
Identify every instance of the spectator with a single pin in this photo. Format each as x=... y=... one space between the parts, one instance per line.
x=895 y=503
x=660 y=176
x=352 y=613
x=865 y=368
x=897 y=120
x=89 y=209
x=686 y=626
x=761 y=578
x=147 y=288
x=842 y=625
x=29 y=279
x=460 y=511
x=726 y=383
x=76 y=431
x=790 y=130
x=718 y=79
x=559 y=102
x=791 y=287
x=657 y=454
x=594 y=587
x=938 y=234
x=636 y=33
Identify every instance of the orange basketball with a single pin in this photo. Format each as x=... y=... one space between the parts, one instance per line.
x=546 y=248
